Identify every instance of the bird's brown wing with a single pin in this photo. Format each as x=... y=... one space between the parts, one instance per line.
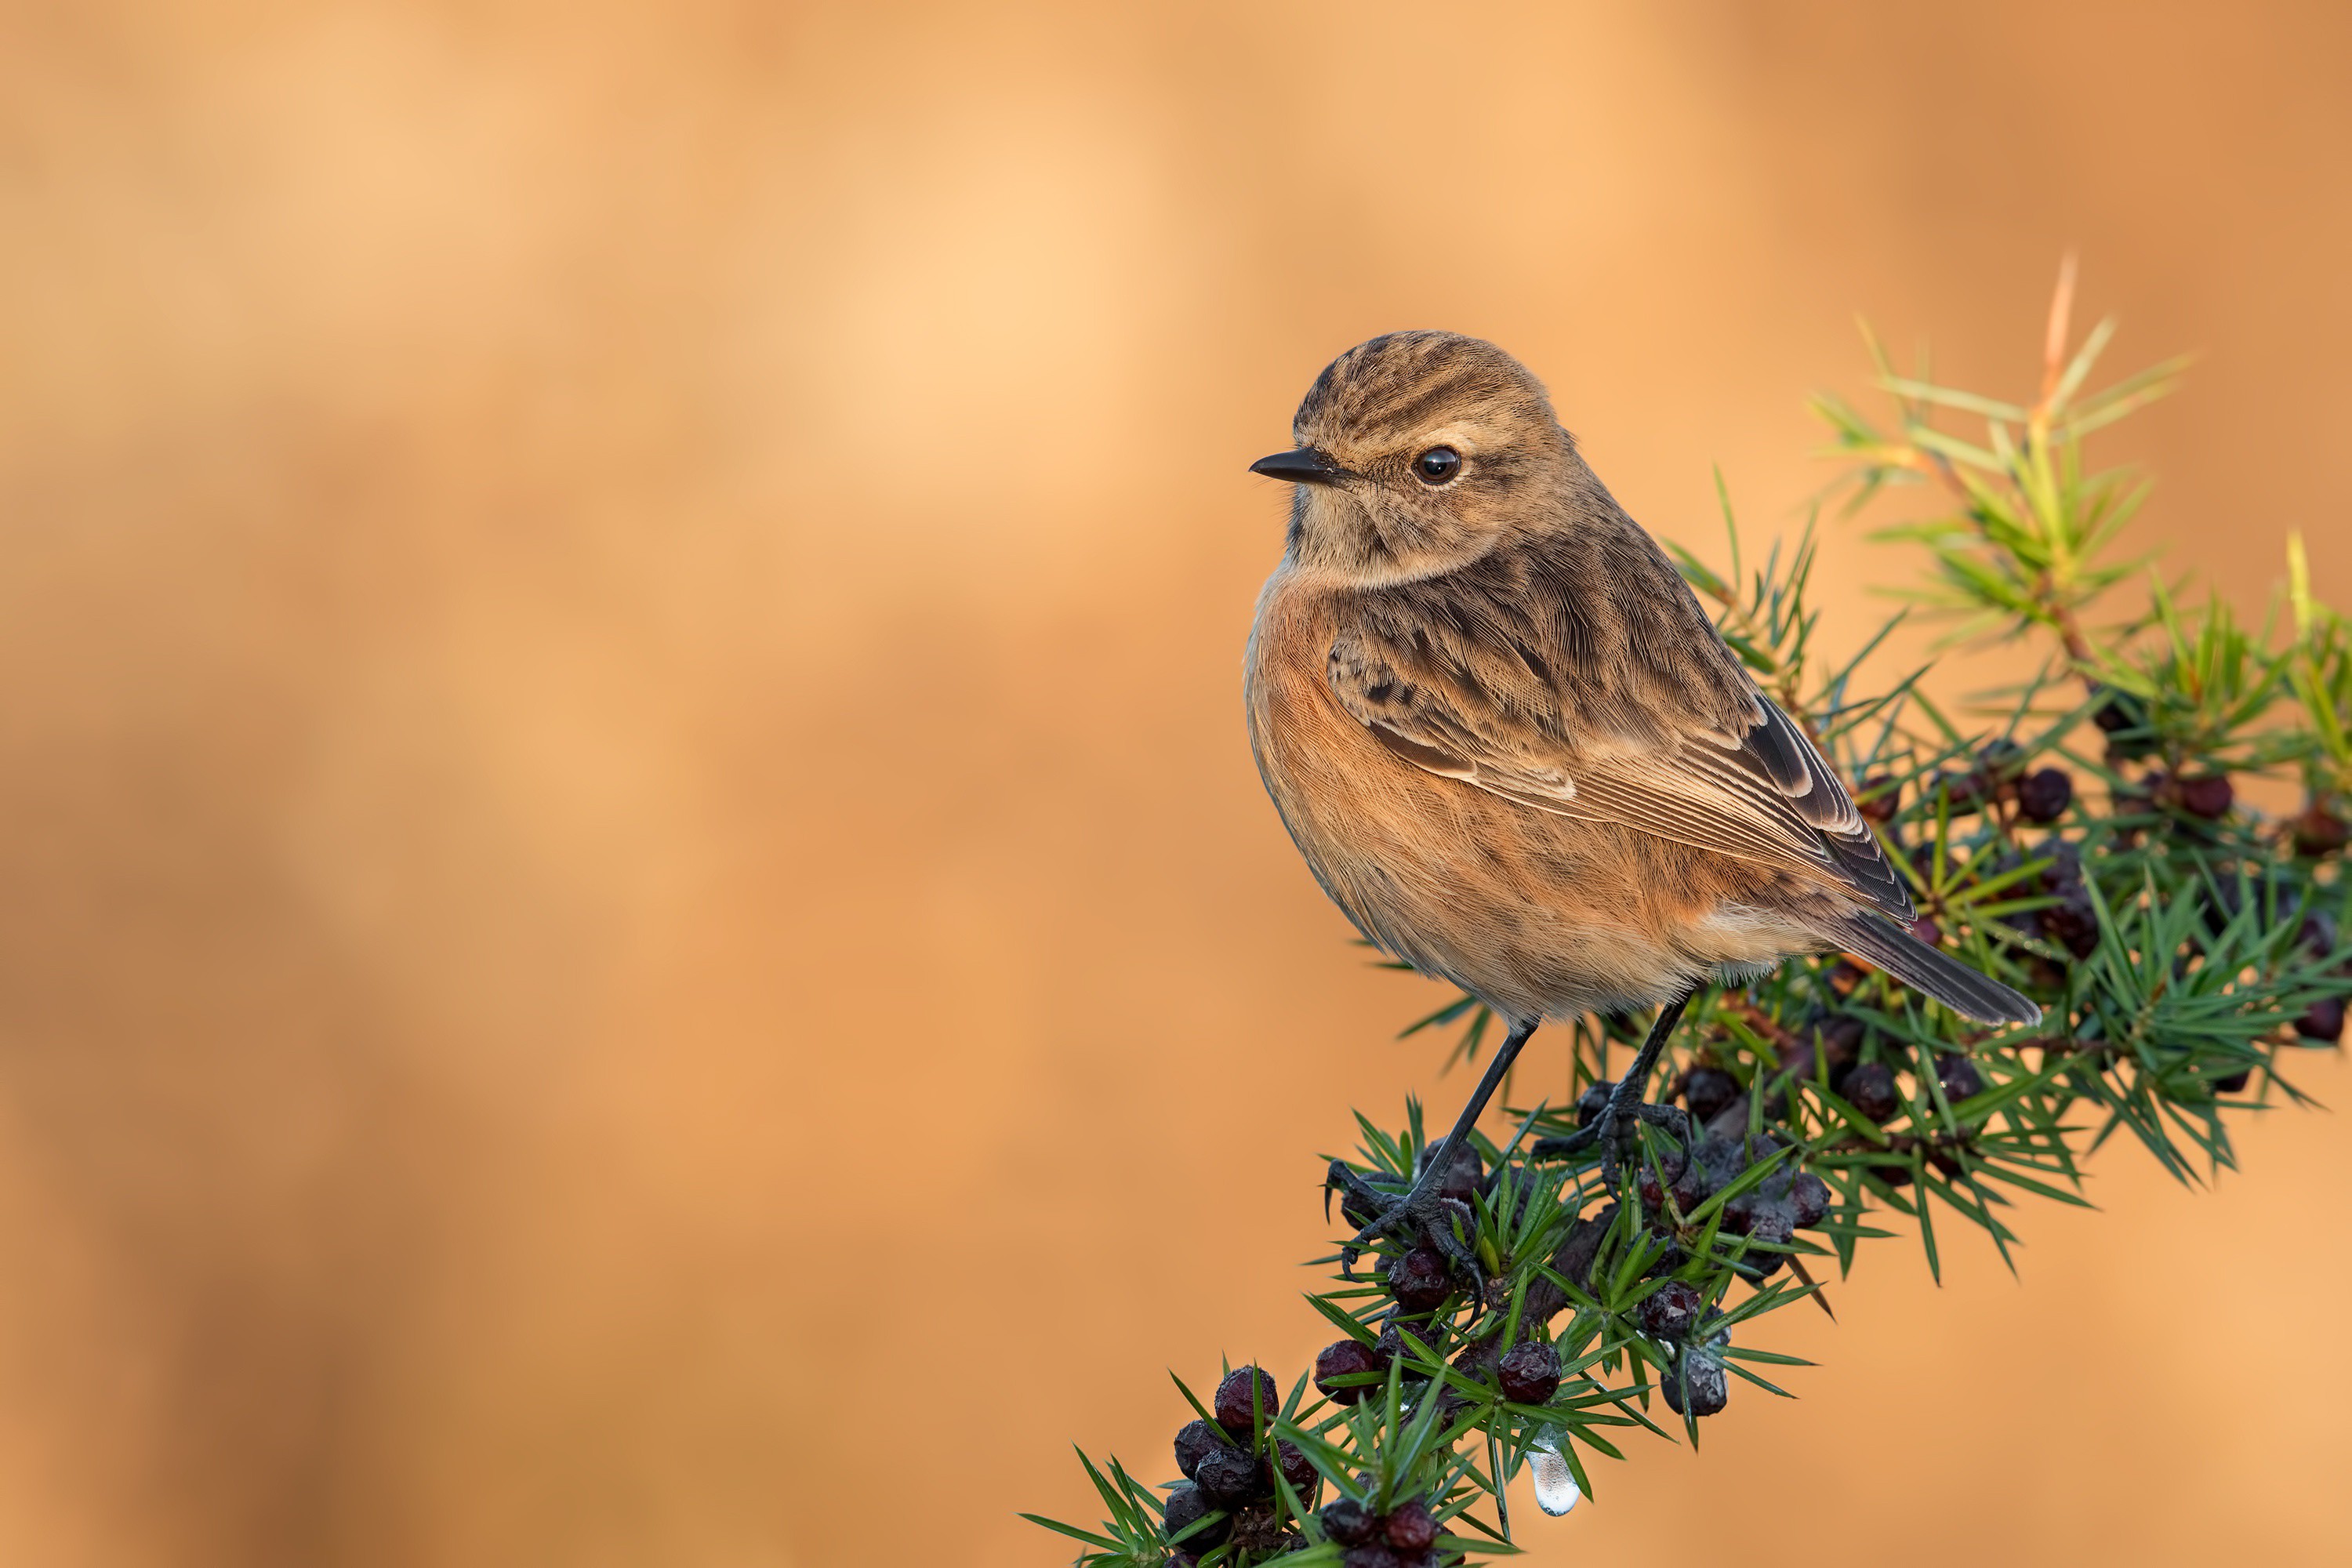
x=1585 y=680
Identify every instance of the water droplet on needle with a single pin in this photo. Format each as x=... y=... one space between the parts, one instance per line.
x=1556 y=1488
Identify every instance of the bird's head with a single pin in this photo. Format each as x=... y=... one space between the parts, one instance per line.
x=1417 y=453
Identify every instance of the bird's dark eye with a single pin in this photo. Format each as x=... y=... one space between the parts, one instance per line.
x=1437 y=465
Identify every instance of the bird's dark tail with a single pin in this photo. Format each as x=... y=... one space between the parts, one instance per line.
x=1929 y=971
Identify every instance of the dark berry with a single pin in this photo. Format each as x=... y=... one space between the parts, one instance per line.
x=1925 y=928
x=1881 y=797
x=2209 y=796
x=2115 y=710
x=1961 y=793
x=1870 y=1088
x=1948 y=1164
x=1958 y=1075
x=2028 y=922
x=1670 y=1311
x=1228 y=1476
x=1740 y=1212
x=1832 y=1040
x=1185 y=1507
x=2124 y=719
x=1409 y=1526
x=2002 y=762
x=1769 y=1224
x=1685 y=1178
x=1194 y=1441
x=2043 y=797
x=1797 y=1057
x=1530 y=1374
x=1722 y=1159
x=1893 y=1174
x=1233 y=1406
x=2276 y=897
x=1346 y=1358
x=2319 y=831
x=1669 y=1263
x=2073 y=922
x=1696 y=1386
x=1256 y=1530
x=1465 y=1172
x=1725 y=1158
x=1420 y=1281
x=2317 y=936
x=1707 y=1092
x=1808 y=1202
x=1374 y=1555
x=2235 y=1082
x=2064 y=873
x=1840 y=1037
x=1296 y=1466
x=2323 y=1020
x=1350 y=1522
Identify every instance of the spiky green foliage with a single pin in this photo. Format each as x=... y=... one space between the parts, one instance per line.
x=2183 y=947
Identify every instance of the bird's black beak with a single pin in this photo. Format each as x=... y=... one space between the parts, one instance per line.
x=1304 y=467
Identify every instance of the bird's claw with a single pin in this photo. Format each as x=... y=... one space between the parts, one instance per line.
x=1425 y=1214
x=1614 y=1130
x=1358 y=1197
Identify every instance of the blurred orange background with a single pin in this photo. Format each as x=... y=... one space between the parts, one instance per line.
x=637 y=925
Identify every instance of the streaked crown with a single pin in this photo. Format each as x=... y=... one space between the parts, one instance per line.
x=1391 y=388
x=1417 y=451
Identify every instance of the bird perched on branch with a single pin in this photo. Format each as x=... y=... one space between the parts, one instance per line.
x=1512 y=746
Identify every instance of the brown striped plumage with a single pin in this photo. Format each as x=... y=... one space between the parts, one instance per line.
x=1506 y=737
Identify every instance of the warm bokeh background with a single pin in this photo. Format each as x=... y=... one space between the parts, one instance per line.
x=636 y=925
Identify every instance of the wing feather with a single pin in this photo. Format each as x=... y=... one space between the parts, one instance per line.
x=1511 y=677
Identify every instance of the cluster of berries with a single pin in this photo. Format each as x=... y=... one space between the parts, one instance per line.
x=1714 y=1098
x=2319 y=829
x=1787 y=1201
x=2316 y=936
x=2071 y=922
x=1998 y=778
x=1404 y=1537
x=2324 y=1019
x=1229 y=1467
x=2000 y=782
x=1773 y=1211
x=1422 y=1279
x=2206 y=797
x=1341 y=1363
x=1347 y=1370
x=1677 y=1316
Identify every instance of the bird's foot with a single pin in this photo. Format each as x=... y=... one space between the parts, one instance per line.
x=1433 y=1212
x=1613 y=1118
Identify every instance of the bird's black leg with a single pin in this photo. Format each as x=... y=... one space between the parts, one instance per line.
x=1613 y=1127
x=1425 y=1208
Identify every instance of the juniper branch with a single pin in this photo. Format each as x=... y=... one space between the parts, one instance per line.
x=2081 y=838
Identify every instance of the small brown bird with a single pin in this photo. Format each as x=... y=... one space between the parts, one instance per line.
x=1511 y=745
